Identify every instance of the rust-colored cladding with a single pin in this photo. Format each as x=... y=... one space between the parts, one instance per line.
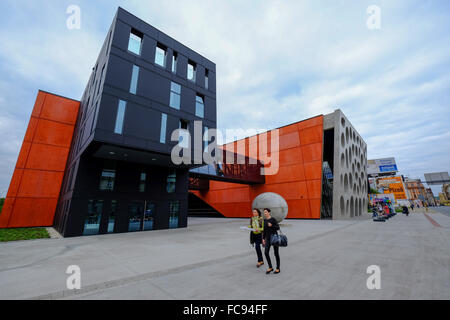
x=298 y=181
x=36 y=182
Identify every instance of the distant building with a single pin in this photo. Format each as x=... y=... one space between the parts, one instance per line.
x=430 y=197
x=415 y=189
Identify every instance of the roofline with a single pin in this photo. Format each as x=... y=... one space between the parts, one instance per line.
x=58 y=95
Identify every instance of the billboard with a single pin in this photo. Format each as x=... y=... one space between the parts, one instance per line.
x=393 y=185
x=374 y=198
x=437 y=178
x=378 y=166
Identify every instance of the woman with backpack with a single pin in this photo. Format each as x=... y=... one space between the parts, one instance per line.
x=270 y=227
x=257 y=224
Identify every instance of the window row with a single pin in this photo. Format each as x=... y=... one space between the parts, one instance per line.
x=161 y=53
x=175 y=94
x=108 y=177
x=183 y=124
x=141 y=216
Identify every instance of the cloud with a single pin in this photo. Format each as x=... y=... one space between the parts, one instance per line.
x=278 y=62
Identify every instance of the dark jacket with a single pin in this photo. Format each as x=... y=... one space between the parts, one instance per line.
x=268 y=231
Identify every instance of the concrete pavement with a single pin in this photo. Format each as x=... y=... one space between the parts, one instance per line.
x=212 y=259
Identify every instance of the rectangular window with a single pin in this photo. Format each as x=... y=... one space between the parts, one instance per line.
x=120 y=117
x=171 y=182
x=134 y=79
x=160 y=56
x=135 y=42
x=149 y=215
x=107 y=180
x=199 y=106
x=175 y=95
x=142 y=182
x=191 y=70
x=174 y=62
x=174 y=213
x=206 y=79
x=162 y=137
x=183 y=139
x=135 y=215
x=92 y=221
x=112 y=216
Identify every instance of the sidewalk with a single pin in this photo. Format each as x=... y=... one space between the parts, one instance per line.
x=213 y=260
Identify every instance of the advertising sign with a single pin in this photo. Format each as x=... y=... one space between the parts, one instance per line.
x=374 y=198
x=378 y=166
x=393 y=185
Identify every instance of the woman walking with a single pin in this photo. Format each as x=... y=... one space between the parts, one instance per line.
x=257 y=224
x=270 y=227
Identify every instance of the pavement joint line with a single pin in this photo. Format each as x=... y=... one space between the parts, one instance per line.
x=155 y=274
x=432 y=221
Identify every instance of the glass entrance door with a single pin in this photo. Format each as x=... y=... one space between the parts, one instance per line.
x=141 y=216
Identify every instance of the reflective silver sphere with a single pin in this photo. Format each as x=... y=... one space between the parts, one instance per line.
x=277 y=205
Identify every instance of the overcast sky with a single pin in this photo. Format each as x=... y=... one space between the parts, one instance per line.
x=278 y=62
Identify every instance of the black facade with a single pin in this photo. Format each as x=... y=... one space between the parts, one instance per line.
x=119 y=176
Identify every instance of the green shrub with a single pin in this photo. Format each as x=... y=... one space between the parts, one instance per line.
x=23 y=234
x=2 y=201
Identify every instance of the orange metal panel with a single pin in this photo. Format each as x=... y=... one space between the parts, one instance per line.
x=23 y=155
x=32 y=125
x=15 y=183
x=36 y=181
x=38 y=104
x=59 y=109
x=312 y=152
x=46 y=157
x=313 y=170
x=314 y=189
x=54 y=133
x=289 y=141
x=298 y=180
x=311 y=135
x=40 y=184
x=33 y=212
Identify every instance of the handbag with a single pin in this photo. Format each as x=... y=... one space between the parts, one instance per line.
x=279 y=240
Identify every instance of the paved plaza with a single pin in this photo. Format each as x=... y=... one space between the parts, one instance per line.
x=212 y=259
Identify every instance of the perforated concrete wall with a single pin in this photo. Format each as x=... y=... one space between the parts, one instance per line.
x=350 y=168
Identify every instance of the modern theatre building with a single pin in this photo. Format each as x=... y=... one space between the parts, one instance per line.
x=103 y=164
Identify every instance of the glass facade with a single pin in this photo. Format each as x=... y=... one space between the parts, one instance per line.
x=135 y=42
x=112 y=216
x=206 y=79
x=93 y=218
x=134 y=79
x=120 y=117
x=160 y=56
x=142 y=182
x=174 y=62
x=199 y=107
x=174 y=214
x=171 y=182
x=175 y=95
x=191 y=71
x=135 y=214
x=162 y=137
x=107 y=180
x=149 y=216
